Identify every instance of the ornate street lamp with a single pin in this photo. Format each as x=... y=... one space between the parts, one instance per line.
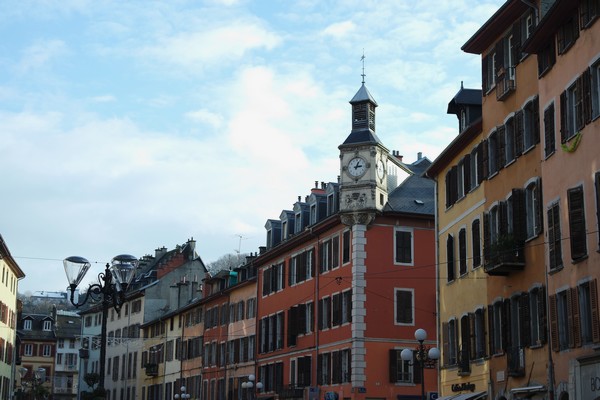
x=110 y=289
x=426 y=357
x=183 y=394
x=249 y=385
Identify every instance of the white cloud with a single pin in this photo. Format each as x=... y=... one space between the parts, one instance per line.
x=107 y=98
x=339 y=29
x=205 y=116
x=40 y=54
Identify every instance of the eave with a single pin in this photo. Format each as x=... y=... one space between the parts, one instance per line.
x=494 y=27
x=454 y=149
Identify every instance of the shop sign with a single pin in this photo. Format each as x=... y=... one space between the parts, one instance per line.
x=461 y=387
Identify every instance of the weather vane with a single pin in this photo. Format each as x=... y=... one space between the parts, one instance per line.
x=363 y=67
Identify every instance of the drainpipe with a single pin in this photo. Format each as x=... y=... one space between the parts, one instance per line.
x=437 y=283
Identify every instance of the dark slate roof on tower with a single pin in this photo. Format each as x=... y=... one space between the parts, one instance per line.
x=468 y=97
x=363 y=136
x=363 y=94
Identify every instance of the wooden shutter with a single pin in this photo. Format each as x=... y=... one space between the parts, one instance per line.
x=586 y=80
x=542 y=314
x=549 y=138
x=484 y=74
x=491 y=332
x=595 y=311
x=518 y=215
x=485 y=329
x=502 y=218
x=393 y=365
x=516 y=42
x=553 y=323
x=564 y=133
x=499 y=55
x=597 y=187
x=539 y=228
x=480 y=164
x=536 y=120
x=525 y=320
x=472 y=337
x=506 y=325
x=501 y=147
x=484 y=160
x=576 y=327
x=577 y=223
x=519 y=129
x=467 y=173
x=486 y=237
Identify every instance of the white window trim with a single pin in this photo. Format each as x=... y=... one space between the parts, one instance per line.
x=412 y=291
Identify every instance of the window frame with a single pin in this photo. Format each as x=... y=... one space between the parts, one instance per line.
x=407 y=310
x=400 y=259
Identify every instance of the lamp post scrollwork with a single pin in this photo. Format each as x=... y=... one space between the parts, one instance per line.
x=426 y=357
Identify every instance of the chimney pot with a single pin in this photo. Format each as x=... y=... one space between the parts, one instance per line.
x=419 y=155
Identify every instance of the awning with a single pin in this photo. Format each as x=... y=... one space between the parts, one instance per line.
x=470 y=396
x=446 y=397
x=528 y=389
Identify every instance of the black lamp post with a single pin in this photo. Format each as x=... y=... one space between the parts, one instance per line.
x=183 y=396
x=110 y=289
x=426 y=357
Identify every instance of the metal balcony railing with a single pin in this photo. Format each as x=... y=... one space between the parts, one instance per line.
x=505 y=83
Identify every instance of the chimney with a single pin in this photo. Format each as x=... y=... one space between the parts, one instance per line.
x=262 y=249
x=191 y=248
x=419 y=156
x=299 y=199
x=323 y=185
x=316 y=184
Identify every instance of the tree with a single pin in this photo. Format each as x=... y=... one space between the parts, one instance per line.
x=227 y=261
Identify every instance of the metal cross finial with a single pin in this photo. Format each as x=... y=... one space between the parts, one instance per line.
x=363 y=67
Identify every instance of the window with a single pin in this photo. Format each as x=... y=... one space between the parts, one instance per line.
x=303 y=371
x=404 y=307
x=546 y=58
x=28 y=350
x=324 y=361
x=341 y=304
x=346 y=247
x=46 y=350
x=570 y=104
x=301 y=267
x=473 y=168
x=532 y=209
x=330 y=254
x=584 y=292
x=577 y=223
x=537 y=316
x=489 y=72
x=61 y=343
x=563 y=319
x=568 y=34
x=549 y=131
x=496 y=321
x=341 y=366
x=476 y=240
x=531 y=124
x=462 y=251
x=450 y=258
x=493 y=151
x=47 y=325
x=460 y=177
x=313 y=214
x=402 y=371
x=450 y=349
x=588 y=12
x=478 y=348
x=27 y=324
x=273 y=279
x=325 y=313
x=298 y=223
x=554 y=238
x=403 y=249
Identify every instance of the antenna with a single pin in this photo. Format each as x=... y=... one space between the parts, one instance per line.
x=238 y=251
x=363 y=67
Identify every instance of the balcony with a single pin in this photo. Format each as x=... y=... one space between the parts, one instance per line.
x=505 y=83
x=151 y=369
x=515 y=358
x=464 y=363
x=504 y=256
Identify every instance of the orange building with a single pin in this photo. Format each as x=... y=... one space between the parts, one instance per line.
x=347 y=277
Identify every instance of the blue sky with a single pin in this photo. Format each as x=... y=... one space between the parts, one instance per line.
x=131 y=125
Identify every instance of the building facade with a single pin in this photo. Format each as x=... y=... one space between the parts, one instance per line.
x=66 y=363
x=347 y=277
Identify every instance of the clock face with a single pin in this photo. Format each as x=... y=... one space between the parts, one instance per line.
x=357 y=166
x=380 y=169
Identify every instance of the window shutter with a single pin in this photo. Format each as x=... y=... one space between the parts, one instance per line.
x=445 y=343
x=594 y=309
x=499 y=55
x=597 y=187
x=484 y=160
x=553 y=323
x=501 y=147
x=586 y=80
x=576 y=327
x=486 y=237
x=518 y=216
x=539 y=228
x=484 y=331
x=524 y=320
x=516 y=42
x=472 y=337
x=577 y=223
x=448 y=196
x=503 y=218
x=536 y=120
x=453 y=184
x=549 y=138
x=518 y=133
x=484 y=75
x=312 y=262
x=393 y=365
x=480 y=164
x=467 y=173
x=542 y=314
x=564 y=134
x=506 y=325
x=491 y=332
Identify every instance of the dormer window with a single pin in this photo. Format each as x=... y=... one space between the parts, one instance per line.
x=284 y=230
x=298 y=223
x=27 y=324
x=313 y=214
x=463 y=119
x=47 y=325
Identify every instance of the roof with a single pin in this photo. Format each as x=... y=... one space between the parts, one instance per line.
x=556 y=15
x=416 y=195
x=467 y=97
x=494 y=27
x=6 y=256
x=363 y=94
x=361 y=136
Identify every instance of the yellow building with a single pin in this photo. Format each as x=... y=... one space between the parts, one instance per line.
x=9 y=281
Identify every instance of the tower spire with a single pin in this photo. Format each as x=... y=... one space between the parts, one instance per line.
x=363 y=67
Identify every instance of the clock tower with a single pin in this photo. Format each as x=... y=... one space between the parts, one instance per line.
x=363 y=164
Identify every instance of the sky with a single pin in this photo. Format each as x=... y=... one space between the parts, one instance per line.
x=126 y=126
